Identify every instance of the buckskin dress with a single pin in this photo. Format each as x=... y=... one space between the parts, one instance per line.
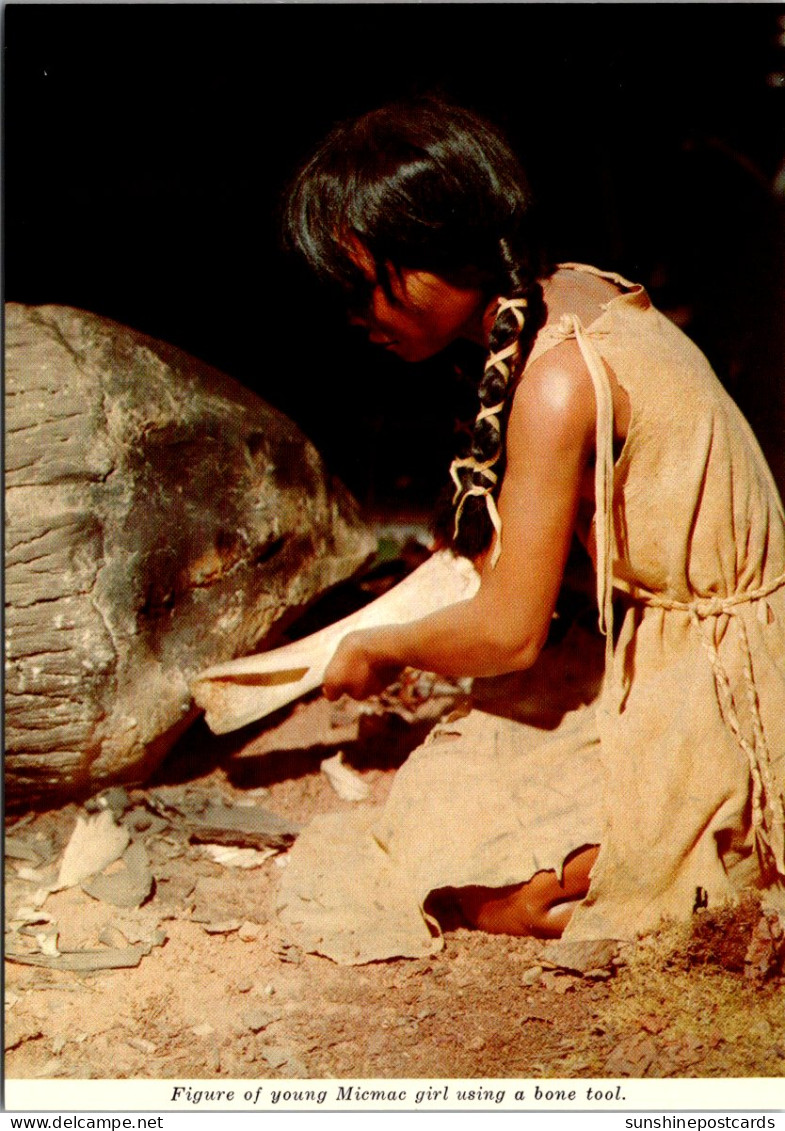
x=673 y=762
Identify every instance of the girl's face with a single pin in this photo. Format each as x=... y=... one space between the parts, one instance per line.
x=423 y=315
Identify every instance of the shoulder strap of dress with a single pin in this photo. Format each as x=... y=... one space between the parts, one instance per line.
x=603 y=475
x=587 y=269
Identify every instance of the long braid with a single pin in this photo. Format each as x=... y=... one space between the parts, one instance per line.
x=477 y=477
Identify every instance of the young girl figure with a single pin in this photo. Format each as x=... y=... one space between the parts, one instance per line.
x=553 y=805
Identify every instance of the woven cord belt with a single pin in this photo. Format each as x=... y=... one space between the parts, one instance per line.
x=769 y=834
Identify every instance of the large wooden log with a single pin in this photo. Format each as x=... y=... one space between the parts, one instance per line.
x=159 y=518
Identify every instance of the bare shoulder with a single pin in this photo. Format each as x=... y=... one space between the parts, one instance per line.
x=555 y=400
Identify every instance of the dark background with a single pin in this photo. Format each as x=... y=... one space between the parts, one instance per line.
x=147 y=147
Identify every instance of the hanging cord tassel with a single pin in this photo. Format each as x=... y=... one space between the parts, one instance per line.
x=769 y=835
x=603 y=477
x=502 y=362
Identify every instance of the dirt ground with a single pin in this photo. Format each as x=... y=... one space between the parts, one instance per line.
x=220 y=994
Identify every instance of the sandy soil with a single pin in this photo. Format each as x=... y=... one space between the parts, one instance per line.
x=223 y=995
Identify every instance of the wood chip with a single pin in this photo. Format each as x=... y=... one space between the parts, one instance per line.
x=17 y=849
x=22 y=823
x=29 y=915
x=128 y=887
x=347 y=784
x=88 y=960
x=112 y=937
x=95 y=843
x=231 y=857
x=246 y=828
x=47 y=943
x=227 y=927
x=32 y=875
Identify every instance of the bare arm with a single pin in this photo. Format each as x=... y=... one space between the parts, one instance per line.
x=550 y=439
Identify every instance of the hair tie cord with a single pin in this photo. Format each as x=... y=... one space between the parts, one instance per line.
x=483 y=467
x=516 y=305
x=480 y=468
x=493 y=514
x=490 y=413
x=478 y=490
x=500 y=357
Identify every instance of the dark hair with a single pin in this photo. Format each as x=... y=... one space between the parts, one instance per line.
x=430 y=186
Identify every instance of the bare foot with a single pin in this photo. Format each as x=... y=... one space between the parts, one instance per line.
x=542 y=906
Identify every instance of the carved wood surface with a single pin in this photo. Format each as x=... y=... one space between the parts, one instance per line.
x=159 y=518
